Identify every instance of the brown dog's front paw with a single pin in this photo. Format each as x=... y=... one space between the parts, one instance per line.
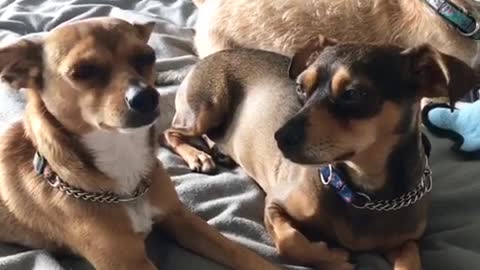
x=406 y=257
x=335 y=266
x=201 y=162
x=331 y=258
x=333 y=254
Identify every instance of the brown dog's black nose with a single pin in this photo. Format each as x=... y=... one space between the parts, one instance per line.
x=141 y=98
x=291 y=135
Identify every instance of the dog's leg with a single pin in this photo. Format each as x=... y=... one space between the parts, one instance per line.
x=218 y=156
x=197 y=160
x=110 y=249
x=195 y=234
x=294 y=246
x=406 y=257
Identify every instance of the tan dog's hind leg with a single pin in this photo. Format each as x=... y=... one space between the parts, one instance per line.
x=195 y=234
x=197 y=160
x=406 y=257
x=294 y=246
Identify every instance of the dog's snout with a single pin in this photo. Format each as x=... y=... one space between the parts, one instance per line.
x=288 y=138
x=291 y=135
x=141 y=98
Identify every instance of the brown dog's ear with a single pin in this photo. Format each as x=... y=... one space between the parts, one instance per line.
x=144 y=29
x=21 y=64
x=307 y=55
x=440 y=74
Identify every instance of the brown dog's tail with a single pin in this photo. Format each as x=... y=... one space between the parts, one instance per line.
x=199 y=3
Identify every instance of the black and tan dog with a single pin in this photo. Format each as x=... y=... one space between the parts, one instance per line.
x=80 y=171
x=342 y=159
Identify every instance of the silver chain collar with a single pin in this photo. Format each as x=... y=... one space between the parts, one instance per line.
x=405 y=200
x=56 y=182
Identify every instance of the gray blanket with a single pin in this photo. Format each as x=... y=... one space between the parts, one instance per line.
x=230 y=201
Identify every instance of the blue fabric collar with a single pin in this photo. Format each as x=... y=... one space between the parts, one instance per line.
x=332 y=177
x=464 y=22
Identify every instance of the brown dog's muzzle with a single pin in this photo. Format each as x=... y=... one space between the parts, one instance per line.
x=142 y=101
x=141 y=98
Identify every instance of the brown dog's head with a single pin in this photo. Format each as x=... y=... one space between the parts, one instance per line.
x=92 y=74
x=358 y=97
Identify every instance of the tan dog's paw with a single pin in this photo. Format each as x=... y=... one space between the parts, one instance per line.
x=202 y=162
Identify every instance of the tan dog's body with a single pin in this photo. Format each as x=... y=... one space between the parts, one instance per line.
x=286 y=26
x=80 y=79
x=242 y=98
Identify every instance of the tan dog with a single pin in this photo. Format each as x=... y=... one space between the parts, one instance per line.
x=95 y=185
x=286 y=26
x=342 y=160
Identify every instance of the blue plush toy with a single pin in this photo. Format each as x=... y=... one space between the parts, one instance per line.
x=461 y=125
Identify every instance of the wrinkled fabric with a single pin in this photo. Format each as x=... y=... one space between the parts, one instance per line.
x=229 y=200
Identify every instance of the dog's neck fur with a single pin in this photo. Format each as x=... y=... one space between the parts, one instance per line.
x=389 y=169
x=126 y=157
x=97 y=161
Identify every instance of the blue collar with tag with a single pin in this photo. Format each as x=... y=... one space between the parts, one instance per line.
x=464 y=22
x=331 y=177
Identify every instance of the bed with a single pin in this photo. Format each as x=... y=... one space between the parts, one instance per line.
x=229 y=200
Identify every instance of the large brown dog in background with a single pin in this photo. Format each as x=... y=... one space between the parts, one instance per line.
x=286 y=26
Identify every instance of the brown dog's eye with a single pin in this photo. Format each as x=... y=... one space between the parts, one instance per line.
x=83 y=72
x=144 y=60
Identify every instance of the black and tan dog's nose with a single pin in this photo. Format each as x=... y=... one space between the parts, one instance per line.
x=141 y=98
x=288 y=139
x=291 y=135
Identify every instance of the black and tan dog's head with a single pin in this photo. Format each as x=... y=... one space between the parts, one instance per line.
x=91 y=74
x=358 y=97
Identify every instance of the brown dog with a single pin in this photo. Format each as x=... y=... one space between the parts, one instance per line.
x=286 y=26
x=343 y=159
x=95 y=185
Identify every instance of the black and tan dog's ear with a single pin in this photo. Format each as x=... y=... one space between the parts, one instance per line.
x=21 y=64
x=439 y=74
x=144 y=30
x=307 y=55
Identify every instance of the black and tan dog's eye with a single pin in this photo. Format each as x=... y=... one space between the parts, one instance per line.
x=143 y=60
x=352 y=95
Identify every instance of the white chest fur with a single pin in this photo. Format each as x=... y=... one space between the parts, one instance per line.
x=126 y=158
x=141 y=215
